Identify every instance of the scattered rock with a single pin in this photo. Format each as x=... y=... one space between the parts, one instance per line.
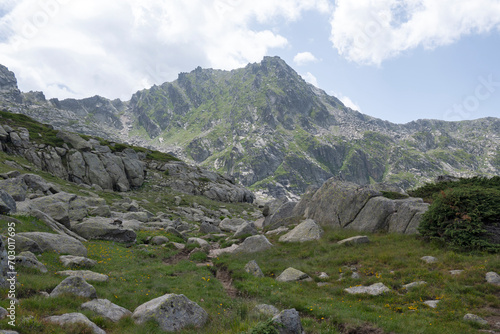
x=203 y=244
x=85 y=274
x=29 y=260
x=475 y=318
x=245 y=229
x=293 y=275
x=76 y=261
x=323 y=276
x=429 y=259
x=290 y=322
x=74 y=318
x=106 y=309
x=256 y=243
x=413 y=285
x=159 y=240
x=103 y=229
x=360 y=239
x=172 y=312
x=374 y=289
x=208 y=228
x=493 y=278
x=59 y=243
x=231 y=225
x=216 y=252
x=74 y=285
x=7 y=203
x=308 y=230
x=456 y=272
x=3 y=313
x=253 y=268
x=25 y=244
x=265 y=310
x=278 y=230
x=432 y=303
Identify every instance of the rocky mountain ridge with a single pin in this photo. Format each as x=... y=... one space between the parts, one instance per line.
x=264 y=126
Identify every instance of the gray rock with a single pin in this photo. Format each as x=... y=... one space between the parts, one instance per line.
x=140 y=216
x=56 y=206
x=360 y=239
x=456 y=272
x=279 y=216
x=76 y=261
x=85 y=274
x=374 y=289
x=116 y=171
x=278 y=230
x=106 y=309
x=3 y=313
x=3 y=263
x=493 y=278
x=37 y=183
x=208 y=228
x=323 y=276
x=15 y=187
x=74 y=318
x=289 y=321
x=172 y=312
x=134 y=170
x=293 y=275
x=373 y=216
x=253 y=268
x=25 y=244
x=59 y=243
x=429 y=259
x=7 y=203
x=245 y=230
x=256 y=243
x=74 y=285
x=29 y=260
x=97 y=228
x=96 y=172
x=159 y=240
x=432 y=303
x=231 y=225
x=265 y=310
x=74 y=140
x=308 y=230
x=475 y=318
x=407 y=216
x=203 y=244
x=413 y=285
x=100 y=211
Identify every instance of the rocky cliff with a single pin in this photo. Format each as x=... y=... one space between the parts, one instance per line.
x=266 y=128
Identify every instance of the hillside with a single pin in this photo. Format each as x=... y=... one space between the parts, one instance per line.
x=264 y=126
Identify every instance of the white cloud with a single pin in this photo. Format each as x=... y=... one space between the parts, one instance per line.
x=303 y=58
x=369 y=32
x=310 y=78
x=70 y=48
x=348 y=102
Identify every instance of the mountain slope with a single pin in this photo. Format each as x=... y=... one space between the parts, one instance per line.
x=270 y=130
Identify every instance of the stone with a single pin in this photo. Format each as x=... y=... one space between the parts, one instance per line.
x=15 y=187
x=431 y=303
x=135 y=171
x=3 y=313
x=308 y=230
x=493 y=278
x=475 y=318
x=159 y=240
x=208 y=228
x=413 y=285
x=100 y=211
x=456 y=272
x=360 y=239
x=29 y=260
x=172 y=312
x=203 y=244
x=56 y=206
x=4 y=262
x=7 y=203
x=245 y=229
x=289 y=321
x=37 y=183
x=74 y=285
x=74 y=318
x=85 y=274
x=140 y=216
x=323 y=275
x=429 y=259
x=253 y=244
x=231 y=225
x=253 y=268
x=58 y=243
x=293 y=275
x=74 y=140
x=279 y=216
x=97 y=228
x=76 y=261
x=96 y=172
x=25 y=244
x=278 y=230
x=216 y=252
x=265 y=310
x=106 y=309
x=374 y=289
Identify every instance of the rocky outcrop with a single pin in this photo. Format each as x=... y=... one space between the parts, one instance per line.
x=308 y=230
x=97 y=228
x=348 y=205
x=62 y=244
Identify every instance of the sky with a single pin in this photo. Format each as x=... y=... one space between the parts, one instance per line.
x=397 y=60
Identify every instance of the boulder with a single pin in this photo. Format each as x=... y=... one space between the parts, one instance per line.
x=413 y=285
x=172 y=312
x=360 y=239
x=25 y=244
x=432 y=303
x=37 y=183
x=106 y=309
x=97 y=228
x=29 y=260
x=3 y=313
x=278 y=216
x=253 y=268
x=374 y=289
x=59 y=243
x=429 y=259
x=407 y=216
x=159 y=240
x=3 y=263
x=15 y=187
x=256 y=243
x=493 y=278
x=87 y=275
x=74 y=285
x=96 y=172
x=56 y=206
x=289 y=322
x=475 y=318
x=245 y=230
x=134 y=170
x=203 y=244
x=76 y=261
x=231 y=225
x=75 y=141
x=373 y=216
x=293 y=275
x=7 y=203
x=74 y=318
x=208 y=228
x=265 y=310
x=308 y=230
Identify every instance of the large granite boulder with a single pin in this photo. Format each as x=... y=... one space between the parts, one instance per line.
x=308 y=230
x=15 y=187
x=231 y=224
x=253 y=244
x=85 y=274
x=7 y=203
x=74 y=285
x=74 y=318
x=97 y=228
x=74 y=140
x=293 y=275
x=277 y=215
x=172 y=312
x=288 y=322
x=29 y=260
x=106 y=309
x=59 y=243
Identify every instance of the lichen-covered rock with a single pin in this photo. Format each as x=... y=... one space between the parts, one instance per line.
x=75 y=141
x=253 y=244
x=7 y=203
x=231 y=225
x=245 y=230
x=493 y=278
x=29 y=260
x=15 y=187
x=172 y=312
x=59 y=243
x=159 y=240
x=74 y=285
x=293 y=275
x=265 y=310
x=85 y=274
x=289 y=322
x=308 y=230
x=374 y=289
x=106 y=309
x=103 y=229
x=76 y=261
x=253 y=268
x=74 y=318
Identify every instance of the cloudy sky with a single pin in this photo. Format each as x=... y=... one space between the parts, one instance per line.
x=398 y=60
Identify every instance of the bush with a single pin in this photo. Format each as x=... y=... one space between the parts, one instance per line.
x=465 y=218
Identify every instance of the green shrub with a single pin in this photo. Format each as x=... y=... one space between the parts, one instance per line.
x=393 y=195
x=265 y=327
x=464 y=218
